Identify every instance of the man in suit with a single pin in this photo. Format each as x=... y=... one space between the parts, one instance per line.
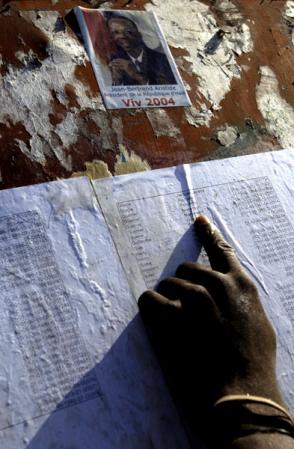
x=134 y=63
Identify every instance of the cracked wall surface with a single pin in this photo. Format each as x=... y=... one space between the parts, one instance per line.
x=236 y=59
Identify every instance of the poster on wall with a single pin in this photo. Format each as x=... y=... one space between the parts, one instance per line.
x=131 y=59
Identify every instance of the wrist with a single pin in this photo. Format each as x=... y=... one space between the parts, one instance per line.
x=261 y=383
x=262 y=441
x=242 y=417
x=271 y=392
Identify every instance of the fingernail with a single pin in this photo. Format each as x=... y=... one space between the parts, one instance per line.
x=203 y=225
x=202 y=220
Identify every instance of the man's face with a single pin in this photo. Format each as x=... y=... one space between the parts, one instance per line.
x=124 y=34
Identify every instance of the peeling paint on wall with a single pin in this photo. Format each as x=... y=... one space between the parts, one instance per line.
x=227 y=135
x=117 y=126
x=41 y=95
x=161 y=123
x=229 y=11
x=104 y=125
x=94 y=170
x=198 y=116
x=52 y=119
x=191 y=28
x=277 y=112
x=129 y=162
x=289 y=16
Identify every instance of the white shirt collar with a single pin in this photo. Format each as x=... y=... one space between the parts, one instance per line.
x=139 y=58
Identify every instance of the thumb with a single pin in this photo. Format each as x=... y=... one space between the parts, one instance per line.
x=221 y=255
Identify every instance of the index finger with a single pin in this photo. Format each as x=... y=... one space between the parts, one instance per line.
x=221 y=255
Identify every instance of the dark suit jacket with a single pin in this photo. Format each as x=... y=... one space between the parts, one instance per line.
x=155 y=68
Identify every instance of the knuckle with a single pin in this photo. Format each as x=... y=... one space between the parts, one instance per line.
x=225 y=246
x=189 y=289
x=199 y=290
x=145 y=296
x=162 y=283
x=220 y=279
x=185 y=267
x=228 y=286
x=144 y=303
x=243 y=281
x=165 y=283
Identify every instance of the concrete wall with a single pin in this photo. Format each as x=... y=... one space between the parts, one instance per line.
x=52 y=119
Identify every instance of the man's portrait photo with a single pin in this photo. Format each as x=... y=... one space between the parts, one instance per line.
x=129 y=48
x=134 y=62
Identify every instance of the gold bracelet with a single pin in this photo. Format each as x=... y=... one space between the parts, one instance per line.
x=255 y=400
x=232 y=420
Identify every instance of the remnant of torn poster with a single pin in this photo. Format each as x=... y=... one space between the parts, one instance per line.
x=131 y=60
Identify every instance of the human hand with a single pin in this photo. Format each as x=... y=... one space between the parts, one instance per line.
x=209 y=330
x=121 y=66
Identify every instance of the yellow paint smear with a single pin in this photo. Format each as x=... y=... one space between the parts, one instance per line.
x=94 y=170
x=129 y=162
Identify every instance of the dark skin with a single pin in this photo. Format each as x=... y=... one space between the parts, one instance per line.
x=213 y=338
